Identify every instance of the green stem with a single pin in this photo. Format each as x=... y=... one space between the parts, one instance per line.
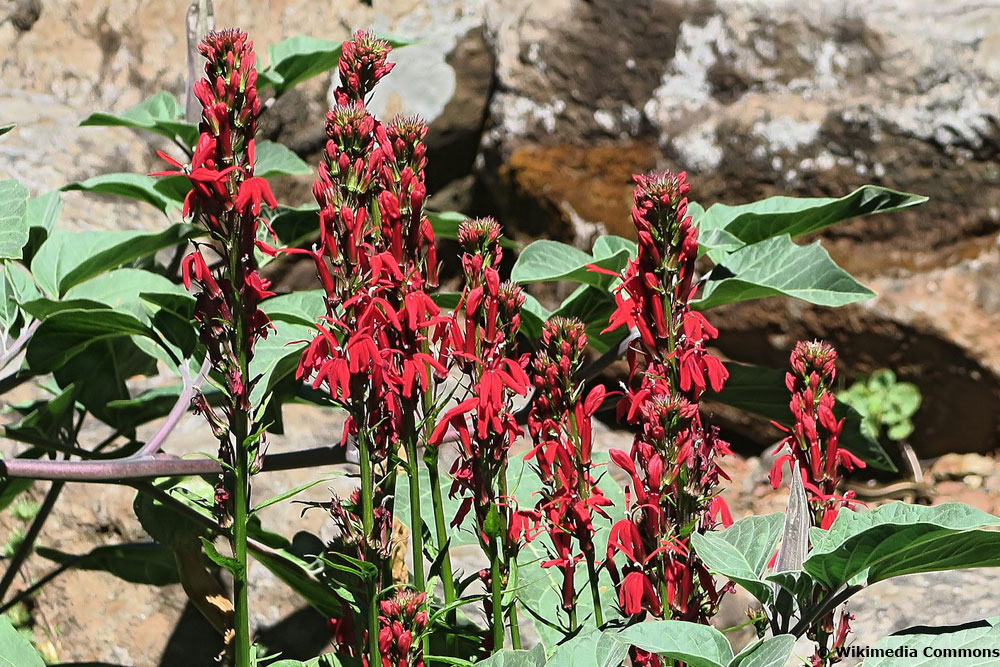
x=240 y=515
x=496 y=589
x=416 y=521
x=515 y=631
x=441 y=532
x=368 y=521
x=594 y=586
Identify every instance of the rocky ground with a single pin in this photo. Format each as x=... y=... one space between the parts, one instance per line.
x=540 y=111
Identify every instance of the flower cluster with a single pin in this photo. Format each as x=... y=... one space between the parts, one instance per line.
x=375 y=261
x=402 y=621
x=673 y=463
x=226 y=199
x=481 y=341
x=813 y=441
x=560 y=427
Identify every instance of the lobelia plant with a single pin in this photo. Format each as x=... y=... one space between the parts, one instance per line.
x=424 y=377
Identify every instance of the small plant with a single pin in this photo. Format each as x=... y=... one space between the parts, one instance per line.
x=607 y=571
x=886 y=405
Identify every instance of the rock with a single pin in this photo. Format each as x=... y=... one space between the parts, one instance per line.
x=959 y=466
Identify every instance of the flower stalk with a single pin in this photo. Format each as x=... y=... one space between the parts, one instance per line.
x=226 y=199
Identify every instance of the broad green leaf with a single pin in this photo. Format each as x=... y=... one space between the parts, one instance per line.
x=298 y=574
x=120 y=289
x=295 y=226
x=741 y=552
x=166 y=193
x=15 y=650
x=277 y=356
x=67 y=333
x=593 y=306
x=161 y=114
x=963 y=646
x=897 y=539
x=508 y=658
x=609 y=246
x=68 y=258
x=797 y=216
x=762 y=391
x=4 y=129
x=13 y=218
x=303 y=308
x=590 y=649
x=50 y=423
x=164 y=523
x=697 y=645
x=139 y=563
x=770 y=652
x=533 y=317
x=779 y=267
x=550 y=261
x=8 y=301
x=144 y=408
x=274 y=159
x=101 y=370
x=299 y=58
x=43 y=211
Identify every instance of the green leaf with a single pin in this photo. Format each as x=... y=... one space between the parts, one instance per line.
x=600 y=649
x=533 y=317
x=762 y=391
x=231 y=564
x=164 y=523
x=795 y=216
x=121 y=290
x=296 y=572
x=68 y=258
x=277 y=356
x=9 y=311
x=147 y=406
x=166 y=193
x=50 y=423
x=741 y=552
x=770 y=652
x=290 y=493
x=609 y=246
x=508 y=658
x=779 y=267
x=295 y=226
x=303 y=308
x=43 y=211
x=15 y=650
x=4 y=129
x=697 y=645
x=161 y=114
x=274 y=159
x=13 y=218
x=963 y=646
x=299 y=58
x=897 y=539
x=551 y=261
x=67 y=333
x=138 y=563
x=593 y=306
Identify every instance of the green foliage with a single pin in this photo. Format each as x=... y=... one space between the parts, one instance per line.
x=15 y=650
x=742 y=551
x=778 y=267
x=161 y=113
x=884 y=403
x=13 y=218
x=166 y=194
x=897 y=539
